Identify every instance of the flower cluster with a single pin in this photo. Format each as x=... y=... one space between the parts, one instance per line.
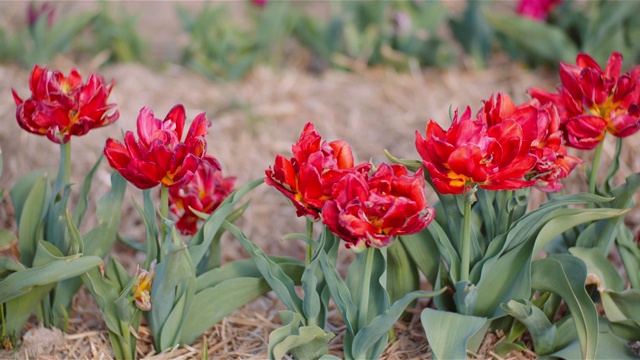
x=61 y=106
x=366 y=209
x=504 y=147
x=592 y=101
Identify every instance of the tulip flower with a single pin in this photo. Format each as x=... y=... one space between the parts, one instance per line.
x=35 y=12
x=536 y=9
x=476 y=152
x=204 y=193
x=307 y=178
x=61 y=106
x=541 y=129
x=592 y=101
x=368 y=211
x=159 y=155
x=142 y=288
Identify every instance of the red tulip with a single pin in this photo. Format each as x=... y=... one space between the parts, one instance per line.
x=592 y=101
x=541 y=129
x=307 y=178
x=536 y=9
x=60 y=106
x=204 y=193
x=492 y=153
x=160 y=156
x=367 y=211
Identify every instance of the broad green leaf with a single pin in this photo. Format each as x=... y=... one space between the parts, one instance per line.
x=412 y=165
x=448 y=333
x=377 y=330
x=402 y=272
x=543 y=332
x=55 y=224
x=7 y=238
x=212 y=304
x=302 y=341
x=280 y=283
x=340 y=293
x=20 y=308
x=424 y=252
x=32 y=214
x=368 y=286
x=21 y=189
x=543 y=40
x=566 y=275
x=172 y=291
x=609 y=346
x=599 y=266
x=201 y=241
x=623 y=312
x=83 y=201
x=21 y=282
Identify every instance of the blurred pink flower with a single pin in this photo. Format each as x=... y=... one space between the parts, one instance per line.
x=536 y=9
x=259 y=3
x=36 y=11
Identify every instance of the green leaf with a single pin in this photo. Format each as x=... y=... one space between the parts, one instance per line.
x=543 y=40
x=412 y=165
x=172 y=291
x=212 y=304
x=280 y=283
x=368 y=336
x=609 y=346
x=566 y=275
x=83 y=201
x=448 y=333
x=424 y=253
x=630 y=255
x=21 y=282
x=543 y=332
x=31 y=219
x=20 y=308
x=303 y=342
x=622 y=311
x=599 y=266
x=340 y=293
x=402 y=272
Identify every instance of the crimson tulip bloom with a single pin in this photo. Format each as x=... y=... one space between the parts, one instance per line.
x=61 y=106
x=367 y=211
x=541 y=129
x=307 y=178
x=159 y=156
x=592 y=101
x=204 y=193
x=495 y=156
x=536 y=9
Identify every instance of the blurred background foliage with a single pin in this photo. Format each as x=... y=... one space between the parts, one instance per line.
x=349 y=35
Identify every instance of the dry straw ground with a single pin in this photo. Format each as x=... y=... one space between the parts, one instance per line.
x=254 y=120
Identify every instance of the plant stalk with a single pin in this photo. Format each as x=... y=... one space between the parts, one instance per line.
x=309 y=252
x=466 y=239
x=65 y=153
x=363 y=309
x=164 y=209
x=594 y=168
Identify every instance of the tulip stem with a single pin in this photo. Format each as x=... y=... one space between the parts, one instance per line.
x=309 y=252
x=594 y=168
x=363 y=310
x=164 y=209
x=466 y=238
x=65 y=157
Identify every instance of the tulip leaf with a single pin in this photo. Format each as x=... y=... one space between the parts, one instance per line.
x=340 y=293
x=543 y=332
x=609 y=346
x=599 y=266
x=412 y=165
x=212 y=304
x=449 y=333
x=422 y=249
x=83 y=201
x=32 y=212
x=545 y=41
x=21 y=189
x=20 y=308
x=21 y=282
x=172 y=291
x=402 y=272
x=622 y=311
x=371 y=335
x=200 y=243
x=303 y=342
x=55 y=224
x=280 y=283
x=630 y=255
x=565 y=275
